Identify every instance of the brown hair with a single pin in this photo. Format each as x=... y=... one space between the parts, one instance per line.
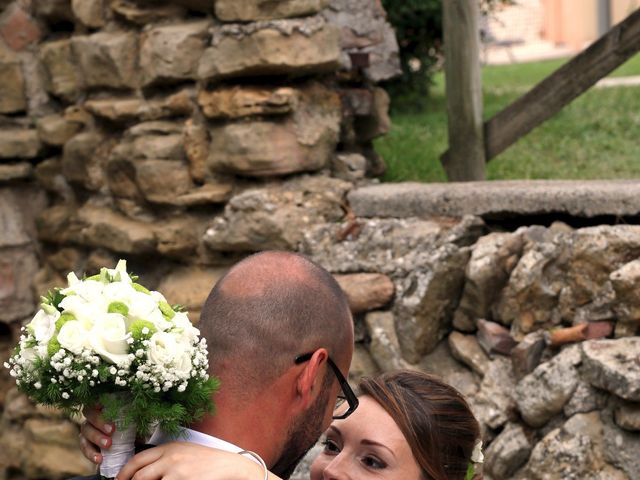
x=434 y=418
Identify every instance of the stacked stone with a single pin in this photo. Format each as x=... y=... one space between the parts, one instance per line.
x=490 y=313
x=135 y=129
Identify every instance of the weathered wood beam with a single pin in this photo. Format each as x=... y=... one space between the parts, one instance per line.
x=465 y=158
x=568 y=82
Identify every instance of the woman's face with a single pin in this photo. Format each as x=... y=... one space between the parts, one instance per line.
x=367 y=444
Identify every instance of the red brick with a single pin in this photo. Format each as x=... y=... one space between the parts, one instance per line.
x=18 y=29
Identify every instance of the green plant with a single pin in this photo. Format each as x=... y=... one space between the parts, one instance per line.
x=418 y=27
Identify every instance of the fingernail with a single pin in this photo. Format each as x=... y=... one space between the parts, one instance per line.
x=104 y=442
x=108 y=428
x=96 y=459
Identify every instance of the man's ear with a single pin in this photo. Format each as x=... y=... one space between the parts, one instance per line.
x=310 y=379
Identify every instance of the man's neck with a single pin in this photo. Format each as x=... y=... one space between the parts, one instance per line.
x=250 y=427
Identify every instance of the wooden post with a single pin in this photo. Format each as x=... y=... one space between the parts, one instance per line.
x=465 y=159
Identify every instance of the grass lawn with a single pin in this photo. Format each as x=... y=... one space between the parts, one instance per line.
x=595 y=136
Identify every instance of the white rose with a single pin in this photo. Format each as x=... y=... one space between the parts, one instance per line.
x=158 y=320
x=82 y=310
x=119 y=292
x=89 y=290
x=182 y=365
x=43 y=326
x=108 y=338
x=73 y=336
x=182 y=322
x=164 y=347
x=142 y=304
x=157 y=296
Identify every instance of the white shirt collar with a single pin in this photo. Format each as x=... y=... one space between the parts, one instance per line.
x=193 y=436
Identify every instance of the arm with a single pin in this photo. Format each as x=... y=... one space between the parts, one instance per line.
x=186 y=461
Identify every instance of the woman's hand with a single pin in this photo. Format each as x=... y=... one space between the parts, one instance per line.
x=94 y=433
x=186 y=461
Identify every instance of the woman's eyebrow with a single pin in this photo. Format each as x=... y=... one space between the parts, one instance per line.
x=377 y=444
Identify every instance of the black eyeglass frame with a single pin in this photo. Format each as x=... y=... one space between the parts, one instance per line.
x=349 y=395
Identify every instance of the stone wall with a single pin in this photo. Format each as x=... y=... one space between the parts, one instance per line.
x=127 y=128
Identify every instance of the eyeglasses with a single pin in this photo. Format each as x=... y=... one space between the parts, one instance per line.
x=347 y=394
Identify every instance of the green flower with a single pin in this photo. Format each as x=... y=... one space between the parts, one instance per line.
x=137 y=329
x=53 y=347
x=64 y=318
x=166 y=310
x=140 y=288
x=118 y=307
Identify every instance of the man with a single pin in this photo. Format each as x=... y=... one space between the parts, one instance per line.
x=280 y=339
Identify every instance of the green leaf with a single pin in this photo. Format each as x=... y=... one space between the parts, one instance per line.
x=53 y=298
x=471 y=471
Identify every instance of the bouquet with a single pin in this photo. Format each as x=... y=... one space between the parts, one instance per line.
x=108 y=340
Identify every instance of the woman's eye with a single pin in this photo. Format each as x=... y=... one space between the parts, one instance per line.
x=330 y=446
x=373 y=462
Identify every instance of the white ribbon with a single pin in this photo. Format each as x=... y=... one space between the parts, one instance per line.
x=121 y=450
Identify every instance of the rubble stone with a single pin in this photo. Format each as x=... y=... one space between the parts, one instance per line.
x=91 y=13
x=251 y=10
x=16 y=143
x=545 y=391
x=508 y=452
x=107 y=59
x=492 y=259
x=15 y=171
x=105 y=228
x=384 y=347
x=627 y=416
x=613 y=365
x=56 y=130
x=63 y=78
x=283 y=47
x=276 y=217
x=170 y=53
x=301 y=142
x=12 y=87
x=467 y=349
x=237 y=101
x=366 y=291
x=17 y=28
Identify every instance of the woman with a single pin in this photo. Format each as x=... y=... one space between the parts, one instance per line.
x=408 y=426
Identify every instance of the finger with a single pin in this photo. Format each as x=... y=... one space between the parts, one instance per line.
x=90 y=451
x=93 y=415
x=94 y=436
x=154 y=471
x=138 y=462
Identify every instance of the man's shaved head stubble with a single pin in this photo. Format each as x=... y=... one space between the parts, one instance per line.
x=265 y=311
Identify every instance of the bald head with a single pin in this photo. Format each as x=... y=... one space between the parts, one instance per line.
x=268 y=309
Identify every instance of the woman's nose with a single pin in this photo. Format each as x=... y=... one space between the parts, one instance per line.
x=337 y=469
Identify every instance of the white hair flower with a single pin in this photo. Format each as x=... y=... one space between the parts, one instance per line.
x=477 y=456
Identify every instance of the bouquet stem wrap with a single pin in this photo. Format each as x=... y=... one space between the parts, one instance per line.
x=121 y=450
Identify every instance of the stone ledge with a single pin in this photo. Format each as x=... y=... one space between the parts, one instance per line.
x=498 y=199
